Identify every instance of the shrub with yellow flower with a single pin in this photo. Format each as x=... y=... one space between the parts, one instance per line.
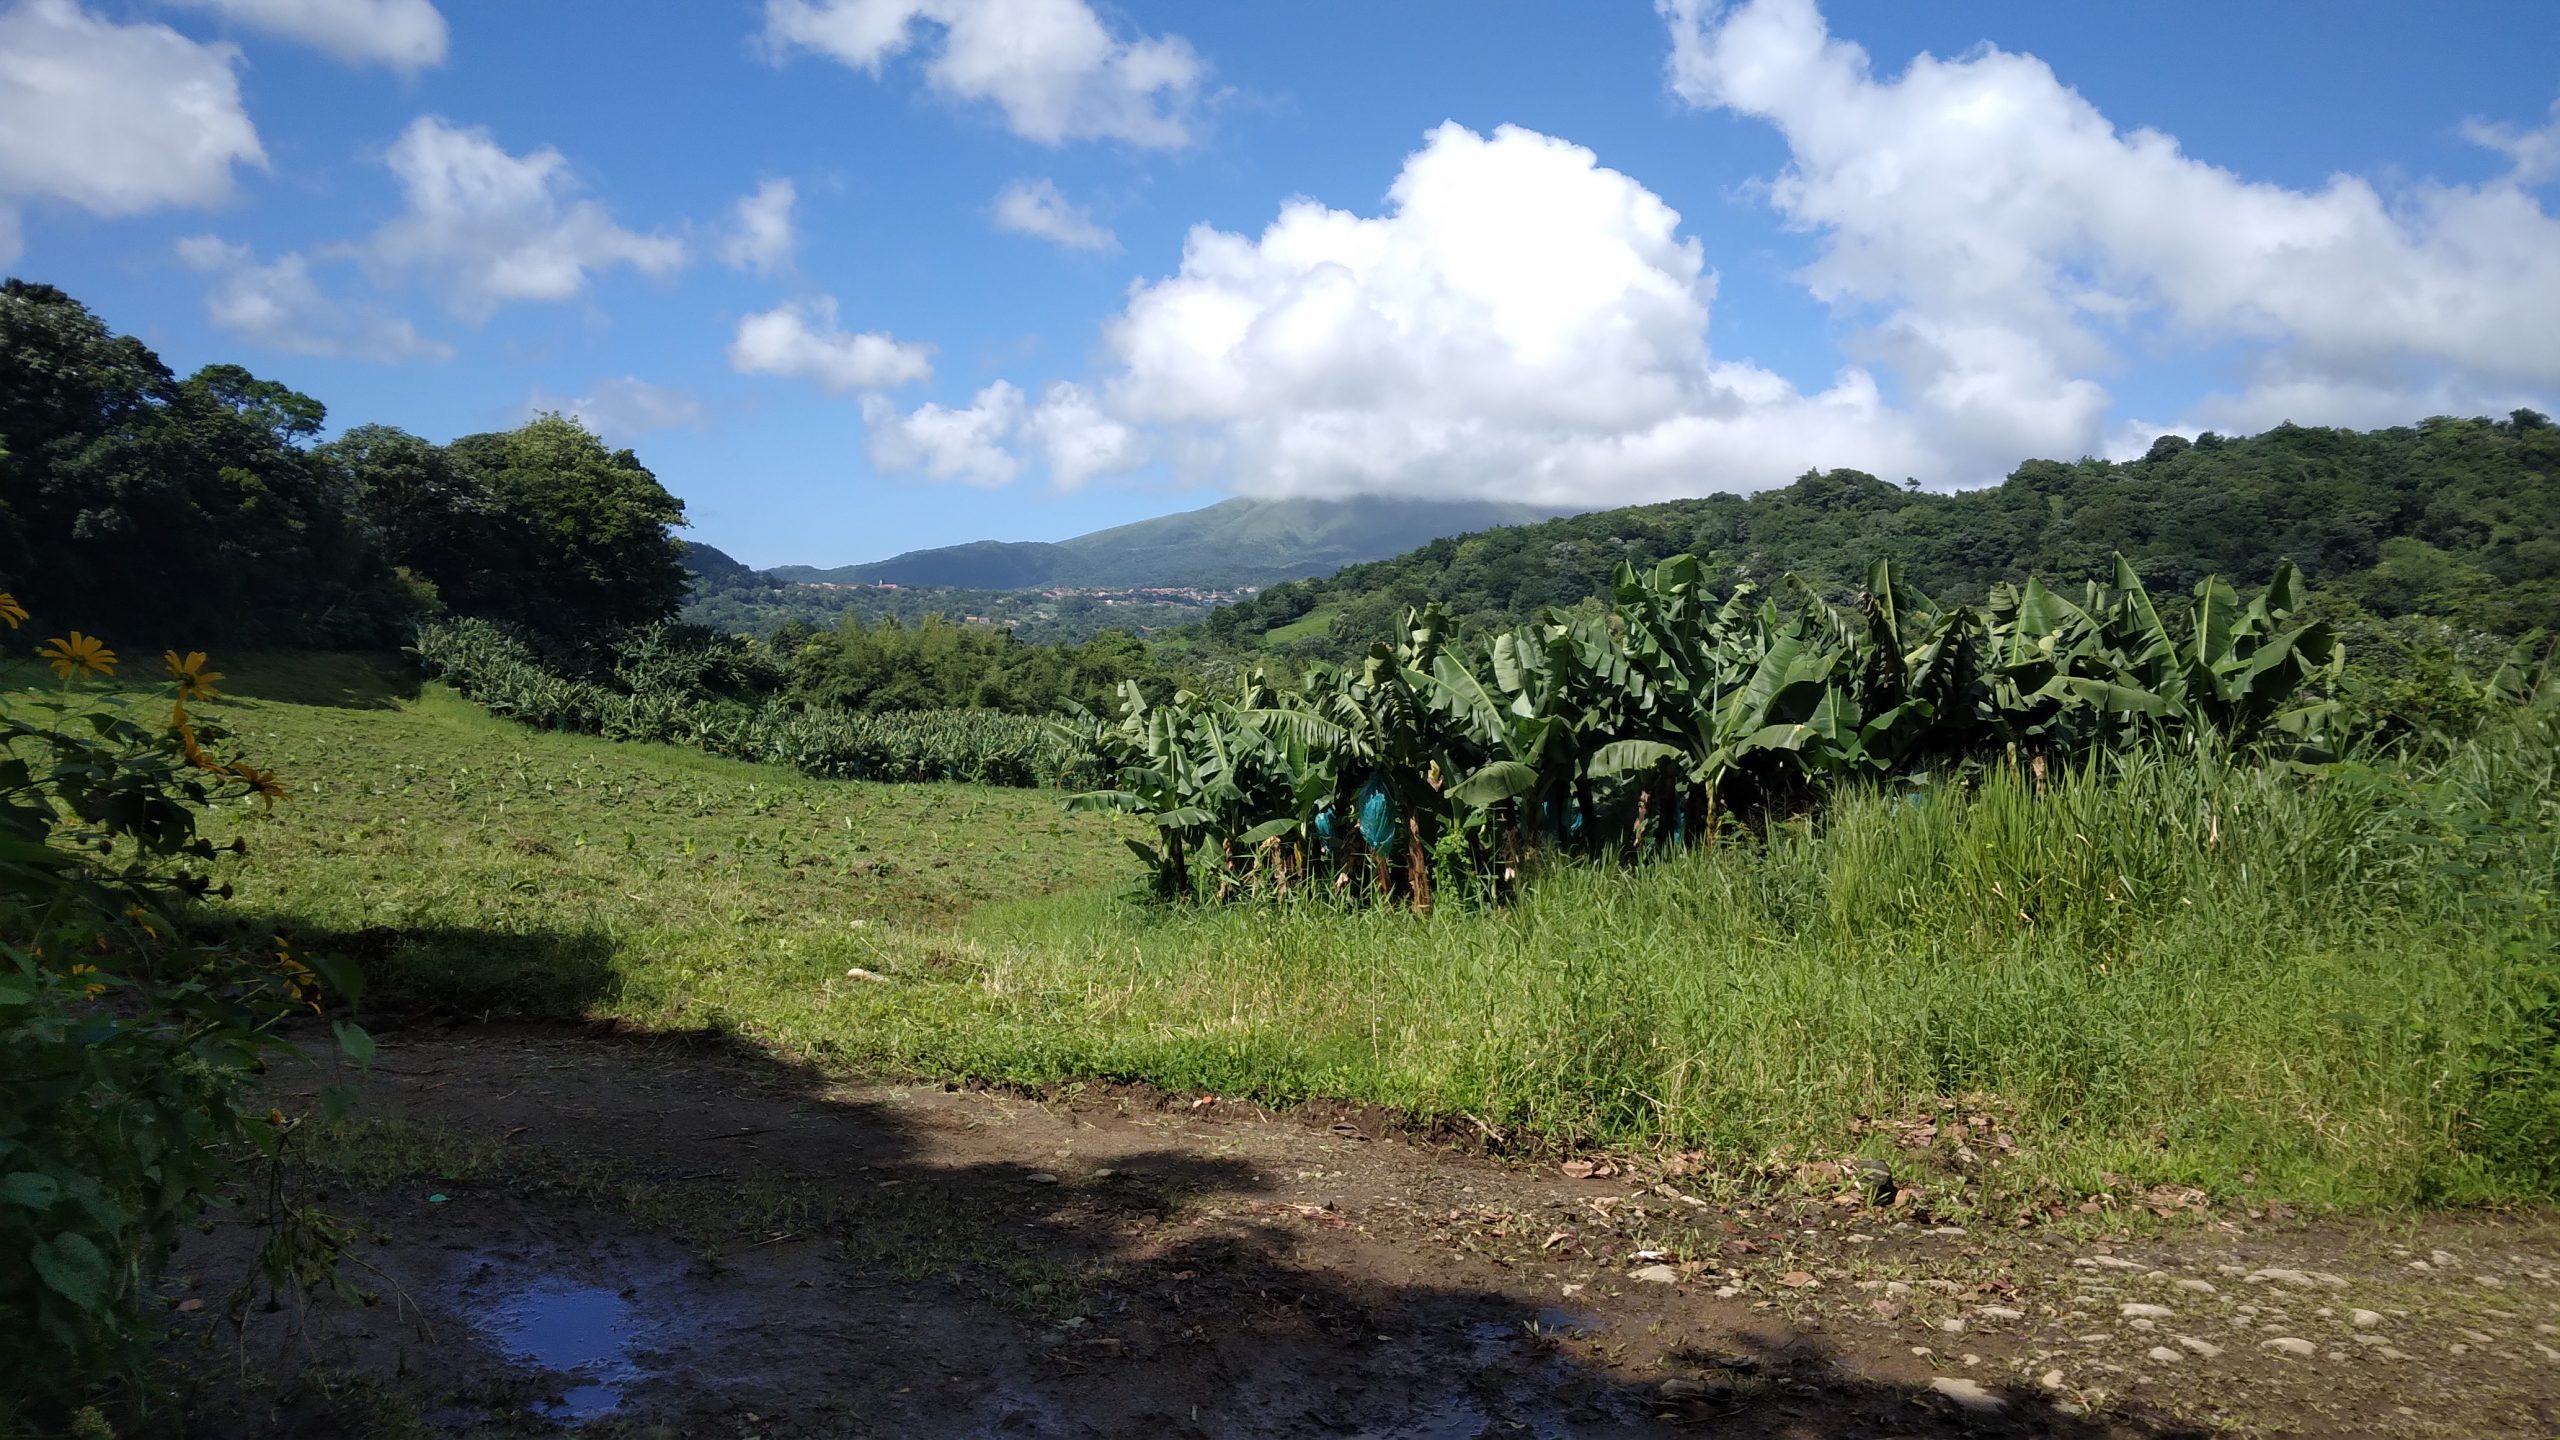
x=104 y=991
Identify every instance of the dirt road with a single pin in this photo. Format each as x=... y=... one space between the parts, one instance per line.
x=660 y=1237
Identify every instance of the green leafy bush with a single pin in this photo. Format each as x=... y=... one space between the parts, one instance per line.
x=126 y=1047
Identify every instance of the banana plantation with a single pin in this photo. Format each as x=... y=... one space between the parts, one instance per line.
x=1672 y=715
x=665 y=690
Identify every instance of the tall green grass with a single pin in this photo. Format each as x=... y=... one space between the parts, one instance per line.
x=2336 y=989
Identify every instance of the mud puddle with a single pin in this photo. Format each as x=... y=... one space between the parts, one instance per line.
x=581 y=1331
x=603 y=1324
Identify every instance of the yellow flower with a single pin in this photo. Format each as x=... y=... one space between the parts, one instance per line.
x=262 y=783
x=305 y=983
x=194 y=681
x=11 y=610
x=185 y=730
x=95 y=990
x=83 y=653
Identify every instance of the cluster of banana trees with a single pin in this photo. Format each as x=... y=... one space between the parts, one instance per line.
x=661 y=697
x=1674 y=713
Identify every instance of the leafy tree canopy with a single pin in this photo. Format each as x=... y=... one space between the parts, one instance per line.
x=121 y=485
x=598 y=526
x=2450 y=517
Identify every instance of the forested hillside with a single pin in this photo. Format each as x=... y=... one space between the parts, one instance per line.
x=2450 y=517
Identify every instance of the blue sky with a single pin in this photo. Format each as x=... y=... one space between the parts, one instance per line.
x=1715 y=245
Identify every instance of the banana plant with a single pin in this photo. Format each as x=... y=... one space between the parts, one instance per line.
x=1159 y=780
x=1648 y=723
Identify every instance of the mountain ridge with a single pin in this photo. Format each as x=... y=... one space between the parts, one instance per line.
x=1233 y=544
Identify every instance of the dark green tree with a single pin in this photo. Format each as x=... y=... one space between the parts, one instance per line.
x=122 y=488
x=599 y=552
x=434 y=515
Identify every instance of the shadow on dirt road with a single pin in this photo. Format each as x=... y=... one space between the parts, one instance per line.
x=654 y=1236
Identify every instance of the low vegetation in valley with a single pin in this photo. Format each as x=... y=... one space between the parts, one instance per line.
x=715 y=695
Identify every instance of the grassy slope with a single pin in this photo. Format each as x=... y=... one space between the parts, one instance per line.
x=1315 y=624
x=2248 y=985
x=498 y=867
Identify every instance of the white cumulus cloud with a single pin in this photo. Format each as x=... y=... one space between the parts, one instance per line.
x=803 y=340
x=406 y=35
x=278 y=305
x=490 y=228
x=1078 y=440
x=971 y=445
x=1039 y=208
x=1519 y=321
x=115 y=119
x=1053 y=67
x=2534 y=153
x=625 y=407
x=2003 y=243
x=761 y=238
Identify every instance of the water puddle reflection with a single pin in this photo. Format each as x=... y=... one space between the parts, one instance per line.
x=550 y=1322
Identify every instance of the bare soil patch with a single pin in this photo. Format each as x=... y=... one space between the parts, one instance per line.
x=660 y=1236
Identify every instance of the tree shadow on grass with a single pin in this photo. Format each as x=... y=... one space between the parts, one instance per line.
x=748 y=1245
x=460 y=970
x=336 y=680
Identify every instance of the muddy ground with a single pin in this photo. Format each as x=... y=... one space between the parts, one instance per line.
x=632 y=1236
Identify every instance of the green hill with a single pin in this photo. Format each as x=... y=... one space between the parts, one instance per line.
x=2449 y=517
x=1225 y=546
x=717 y=569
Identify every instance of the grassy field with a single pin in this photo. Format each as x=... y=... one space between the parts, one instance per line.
x=475 y=862
x=2336 y=994
x=1314 y=625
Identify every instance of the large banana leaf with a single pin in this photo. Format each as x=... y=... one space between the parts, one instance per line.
x=1620 y=757
x=1498 y=781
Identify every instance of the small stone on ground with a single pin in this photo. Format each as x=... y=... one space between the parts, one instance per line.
x=1966 y=1393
